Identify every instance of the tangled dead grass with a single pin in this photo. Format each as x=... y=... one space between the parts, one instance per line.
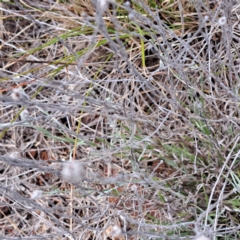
x=119 y=120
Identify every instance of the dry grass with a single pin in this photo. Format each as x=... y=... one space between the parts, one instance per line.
x=142 y=96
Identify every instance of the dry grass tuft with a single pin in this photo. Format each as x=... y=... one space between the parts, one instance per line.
x=119 y=120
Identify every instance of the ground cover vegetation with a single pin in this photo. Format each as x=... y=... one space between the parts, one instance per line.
x=119 y=119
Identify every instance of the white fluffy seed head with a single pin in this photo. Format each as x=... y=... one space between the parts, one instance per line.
x=18 y=94
x=24 y=114
x=206 y=18
x=127 y=4
x=36 y=194
x=116 y=231
x=222 y=21
x=73 y=172
x=14 y=155
x=201 y=237
x=102 y=4
x=134 y=188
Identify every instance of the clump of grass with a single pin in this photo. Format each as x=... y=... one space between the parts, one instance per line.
x=141 y=98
